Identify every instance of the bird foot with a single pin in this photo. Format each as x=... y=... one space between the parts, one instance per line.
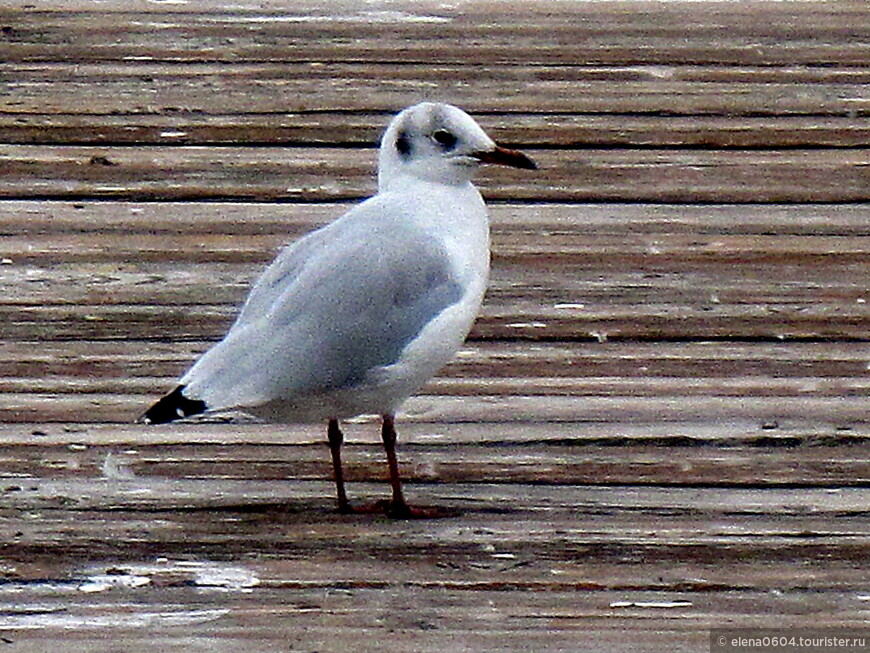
x=397 y=510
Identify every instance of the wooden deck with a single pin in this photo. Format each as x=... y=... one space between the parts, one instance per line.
x=659 y=425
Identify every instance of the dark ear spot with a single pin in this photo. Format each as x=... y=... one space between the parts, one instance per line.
x=403 y=145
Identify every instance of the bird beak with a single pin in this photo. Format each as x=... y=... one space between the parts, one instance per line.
x=504 y=156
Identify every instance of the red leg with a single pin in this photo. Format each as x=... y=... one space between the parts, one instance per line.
x=336 y=439
x=398 y=507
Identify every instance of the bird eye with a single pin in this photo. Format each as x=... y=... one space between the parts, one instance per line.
x=445 y=139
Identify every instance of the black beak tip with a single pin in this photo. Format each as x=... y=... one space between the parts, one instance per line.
x=506 y=157
x=528 y=163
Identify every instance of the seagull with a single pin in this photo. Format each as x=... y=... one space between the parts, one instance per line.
x=356 y=316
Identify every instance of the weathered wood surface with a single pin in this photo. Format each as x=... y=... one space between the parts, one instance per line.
x=660 y=422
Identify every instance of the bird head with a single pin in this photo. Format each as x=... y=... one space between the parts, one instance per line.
x=440 y=143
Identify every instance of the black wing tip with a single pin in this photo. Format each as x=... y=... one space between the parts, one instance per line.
x=172 y=407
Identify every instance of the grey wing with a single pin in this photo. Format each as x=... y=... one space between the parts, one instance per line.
x=344 y=300
x=281 y=274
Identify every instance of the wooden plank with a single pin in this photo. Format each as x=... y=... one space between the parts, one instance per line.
x=151 y=88
x=840 y=409
x=768 y=384
x=43 y=218
x=462 y=619
x=631 y=32
x=584 y=516
x=516 y=319
x=518 y=247
x=514 y=249
x=586 y=385
x=589 y=542
x=172 y=173
x=787 y=458
x=764 y=382
x=364 y=130
x=463 y=622
x=577 y=285
x=622 y=272
x=600 y=436
x=599 y=514
x=99 y=362
x=583 y=290
x=521 y=565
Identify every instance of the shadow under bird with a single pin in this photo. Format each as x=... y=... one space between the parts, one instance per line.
x=356 y=316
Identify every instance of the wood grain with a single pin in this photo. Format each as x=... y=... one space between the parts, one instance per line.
x=659 y=425
x=328 y=128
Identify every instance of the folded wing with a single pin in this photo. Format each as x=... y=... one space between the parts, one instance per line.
x=333 y=306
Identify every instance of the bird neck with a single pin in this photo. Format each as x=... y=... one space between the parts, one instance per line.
x=434 y=171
